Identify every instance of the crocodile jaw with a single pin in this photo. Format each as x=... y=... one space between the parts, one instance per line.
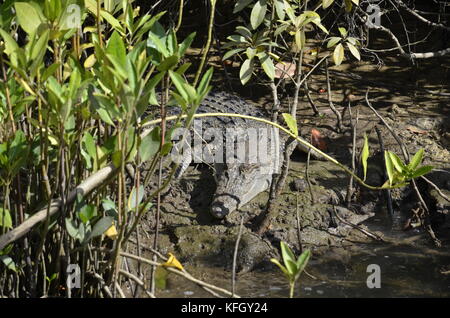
x=237 y=186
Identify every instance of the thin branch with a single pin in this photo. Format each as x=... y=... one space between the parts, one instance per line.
x=236 y=247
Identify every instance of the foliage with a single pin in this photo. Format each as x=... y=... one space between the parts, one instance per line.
x=292 y=267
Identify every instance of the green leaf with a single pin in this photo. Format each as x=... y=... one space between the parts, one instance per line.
x=243 y=31
x=9 y=263
x=10 y=44
x=283 y=269
x=333 y=41
x=416 y=160
x=29 y=16
x=186 y=44
x=178 y=80
x=291 y=267
x=5 y=219
x=348 y=5
x=109 y=207
x=157 y=39
x=72 y=229
x=204 y=83
x=286 y=253
x=397 y=162
x=279 y=7
x=258 y=13
x=100 y=227
x=300 y=39
x=90 y=146
x=241 y=4
x=246 y=71
x=87 y=212
x=302 y=261
x=112 y=21
x=291 y=123
x=389 y=167
x=343 y=32
x=327 y=3
x=150 y=144
x=365 y=155
x=354 y=51
x=168 y=63
x=231 y=53
x=135 y=197
x=422 y=171
x=116 y=48
x=338 y=55
x=267 y=64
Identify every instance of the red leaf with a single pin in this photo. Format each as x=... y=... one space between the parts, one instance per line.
x=317 y=140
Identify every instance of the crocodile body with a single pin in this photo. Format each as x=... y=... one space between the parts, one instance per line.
x=243 y=172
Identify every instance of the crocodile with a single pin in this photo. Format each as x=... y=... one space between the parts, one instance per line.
x=240 y=176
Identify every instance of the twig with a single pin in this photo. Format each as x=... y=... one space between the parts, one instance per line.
x=330 y=102
x=353 y=127
x=236 y=247
x=369 y=234
x=137 y=281
x=311 y=102
x=299 y=233
x=119 y=289
x=183 y=273
x=208 y=43
x=307 y=178
x=436 y=188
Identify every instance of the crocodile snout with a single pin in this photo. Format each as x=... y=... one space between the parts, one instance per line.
x=222 y=206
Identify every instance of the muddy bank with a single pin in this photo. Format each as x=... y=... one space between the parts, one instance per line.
x=188 y=230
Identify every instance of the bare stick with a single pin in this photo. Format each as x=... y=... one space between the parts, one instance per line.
x=138 y=281
x=353 y=126
x=84 y=188
x=299 y=233
x=369 y=234
x=236 y=247
x=307 y=178
x=183 y=273
x=330 y=102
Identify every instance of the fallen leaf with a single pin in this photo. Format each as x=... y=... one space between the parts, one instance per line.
x=416 y=130
x=284 y=69
x=173 y=262
x=317 y=140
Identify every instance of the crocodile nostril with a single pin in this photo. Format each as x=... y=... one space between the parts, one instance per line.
x=219 y=211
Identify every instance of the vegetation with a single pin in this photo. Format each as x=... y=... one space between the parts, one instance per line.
x=77 y=78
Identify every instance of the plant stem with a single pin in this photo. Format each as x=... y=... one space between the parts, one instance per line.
x=208 y=42
x=291 y=289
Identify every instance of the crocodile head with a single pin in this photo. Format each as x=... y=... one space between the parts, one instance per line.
x=237 y=184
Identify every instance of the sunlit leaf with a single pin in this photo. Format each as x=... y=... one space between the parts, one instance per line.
x=422 y=171
x=338 y=55
x=291 y=123
x=327 y=3
x=5 y=219
x=246 y=71
x=416 y=160
x=354 y=51
x=365 y=155
x=267 y=64
x=258 y=13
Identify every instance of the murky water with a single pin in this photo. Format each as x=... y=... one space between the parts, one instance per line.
x=410 y=270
